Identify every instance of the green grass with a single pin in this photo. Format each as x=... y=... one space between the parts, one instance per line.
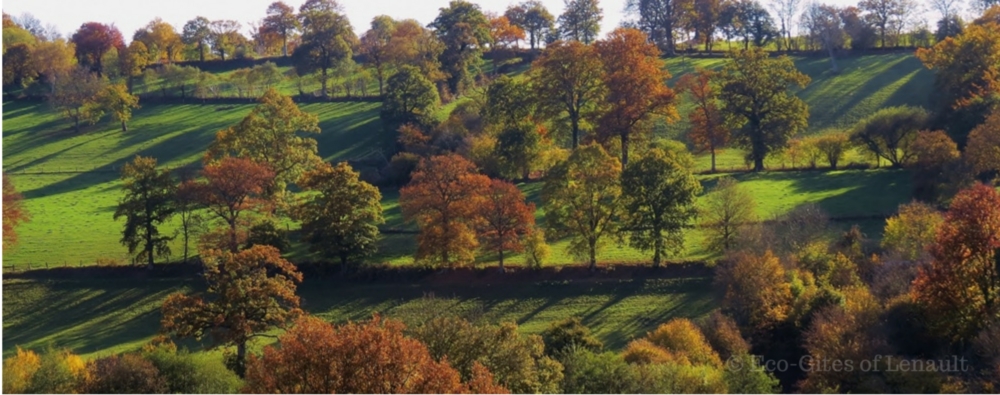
x=96 y=317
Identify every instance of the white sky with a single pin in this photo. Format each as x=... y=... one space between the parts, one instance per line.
x=129 y=15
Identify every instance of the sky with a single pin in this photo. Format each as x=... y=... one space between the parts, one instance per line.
x=130 y=15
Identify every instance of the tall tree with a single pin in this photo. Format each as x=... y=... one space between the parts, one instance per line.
x=409 y=97
x=14 y=213
x=198 y=32
x=342 y=219
x=224 y=35
x=249 y=293
x=754 y=90
x=282 y=20
x=660 y=19
x=327 y=40
x=161 y=39
x=414 y=45
x=534 y=18
x=754 y=24
x=375 y=45
x=582 y=198
x=508 y=103
x=786 y=11
x=961 y=287
x=132 y=62
x=270 y=135
x=464 y=30
x=825 y=26
x=119 y=102
x=232 y=186
x=569 y=79
x=192 y=221
x=708 y=130
x=882 y=13
x=53 y=60
x=983 y=148
x=658 y=194
x=728 y=207
x=93 y=40
x=506 y=218
x=581 y=21
x=76 y=97
x=519 y=148
x=636 y=81
x=703 y=17
x=442 y=198
x=147 y=204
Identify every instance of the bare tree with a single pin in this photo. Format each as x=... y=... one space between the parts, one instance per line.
x=785 y=10
x=825 y=27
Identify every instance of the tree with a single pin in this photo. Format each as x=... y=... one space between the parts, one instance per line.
x=161 y=39
x=132 y=61
x=658 y=195
x=327 y=39
x=281 y=19
x=826 y=27
x=342 y=219
x=14 y=213
x=147 y=204
x=249 y=293
x=932 y=150
x=443 y=198
x=504 y=34
x=728 y=207
x=53 y=60
x=754 y=24
x=198 y=32
x=660 y=19
x=464 y=30
x=948 y=10
x=911 y=232
x=983 y=148
x=754 y=90
x=960 y=289
x=581 y=21
x=233 y=186
x=93 y=40
x=76 y=97
x=636 y=81
x=569 y=79
x=17 y=65
x=702 y=17
x=889 y=132
x=223 y=35
x=269 y=135
x=375 y=45
x=126 y=373
x=506 y=218
x=563 y=336
x=882 y=13
x=708 y=131
x=414 y=45
x=187 y=204
x=833 y=146
x=409 y=97
x=756 y=292
x=119 y=102
x=534 y=18
x=582 y=198
x=519 y=149
x=786 y=11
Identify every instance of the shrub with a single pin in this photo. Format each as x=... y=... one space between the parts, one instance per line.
x=18 y=371
x=568 y=333
x=124 y=374
x=756 y=292
x=644 y=352
x=186 y=375
x=682 y=337
x=749 y=377
x=833 y=147
x=398 y=172
x=724 y=336
x=910 y=232
x=536 y=250
x=267 y=233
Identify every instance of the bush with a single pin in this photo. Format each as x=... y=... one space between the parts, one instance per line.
x=683 y=338
x=833 y=147
x=724 y=336
x=18 y=371
x=536 y=250
x=398 y=172
x=748 y=377
x=267 y=233
x=186 y=375
x=587 y=372
x=567 y=334
x=643 y=352
x=124 y=374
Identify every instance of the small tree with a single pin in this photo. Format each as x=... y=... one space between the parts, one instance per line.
x=756 y=292
x=233 y=186
x=147 y=204
x=117 y=100
x=506 y=218
x=76 y=97
x=888 y=133
x=658 y=196
x=708 y=130
x=833 y=146
x=911 y=231
x=342 y=219
x=983 y=148
x=249 y=293
x=728 y=207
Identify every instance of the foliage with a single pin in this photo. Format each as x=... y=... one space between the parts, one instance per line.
x=124 y=374
x=251 y=292
x=93 y=40
x=267 y=233
x=505 y=218
x=281 y=20
x=833 y=146
x=443 y=198
x=533 y=18
x=682 y=338
x=755 y=291
x=568 y=79
x=536 y=250
x=14 y=213
x=54 y=371
x=54 y=60
x=582 y=198
x=754 y=90
x=567 y=335
x=185 y=374
x=983 y=148
x=750 y=378
x=148 y=203
x=75 y=96
x=18 y=370
x=409 y=97
x=327 y=41
x=519 y=150
x=658 y=196
x=889 y=132
x=581 y=21
x=464 y=30
x=232 y=186
x=119 y=102
x=161 y=39
x=708 y=132
x=342 y=219
x=724 y=335
x=728 y=207
x=961 y=287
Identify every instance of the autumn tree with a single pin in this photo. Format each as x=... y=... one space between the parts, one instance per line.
x=757 y=104
x=882 y=13
x=375 y=46
x=756 y=292
x=14 y=213
x=147 y=204
x=119 y=102
x=197 y=32
x=232 y=186
x=580 y=21
x=728 y=207
x=132 y=61
x=249 y=293
x=833 y=146
x=933 y=150
x=464 y=30
x=505 y=218
x=533 y=18
x=342 y=219
x=443 y=197
x=636 y=81
x=223 y=36
x=18 y=70
x=282 y=20
x=327 y=40
x=519 y=148
x=708 y=130
x=53 y=60
x=912 y=230
x=568 y=79
x=93 y=40
x=414 y=45
x=983 y=148
x=504 y=34
x=192 y=220
x=658 y=194
x=76 y=95
x=270 y=135
x=582 y=198
x=786 y=11
x=889 y=132
x=160 y=39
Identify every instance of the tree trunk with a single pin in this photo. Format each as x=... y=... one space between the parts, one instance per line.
x=234 y=245
x=576 y=131
x=124 y=127
x=713 y=160
x=624 y=137
x=76 y=123
x=284 y=45
x=201 y=52
x=501 y=260
x=323 y=81
x=593 y=255
x=149 y=242
x=241 y=359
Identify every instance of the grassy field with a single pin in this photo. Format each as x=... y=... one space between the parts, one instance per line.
x=100 y=316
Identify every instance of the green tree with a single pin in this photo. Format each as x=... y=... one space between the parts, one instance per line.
x=581 y=21
x=728 y=207
x=147 y=204
x=757 y=102
x=569 y=334
x=658 y=195
x=568 y=79
x=464 y=30
x=342 y=219
x=534 y=18
x=409 y=97
x=508 y=103
x=119 y=102
x=375 y=46
x=327 y=39
x=270 y=135
x=132 y=61
x=519 y=149
x=196 y=32
x=582 y=199
x=281 y=19
x=889 y=132
x=75 y=96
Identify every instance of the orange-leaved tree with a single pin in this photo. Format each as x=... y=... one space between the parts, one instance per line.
x=443 y=197
x=505 y=218
x=636 y=81
x=961 y=286
x=233 y=186
x=756 y=292
x=372 y=357
x=708 y=131
x=14 y=213
x=249 y=293
x=983 y=149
